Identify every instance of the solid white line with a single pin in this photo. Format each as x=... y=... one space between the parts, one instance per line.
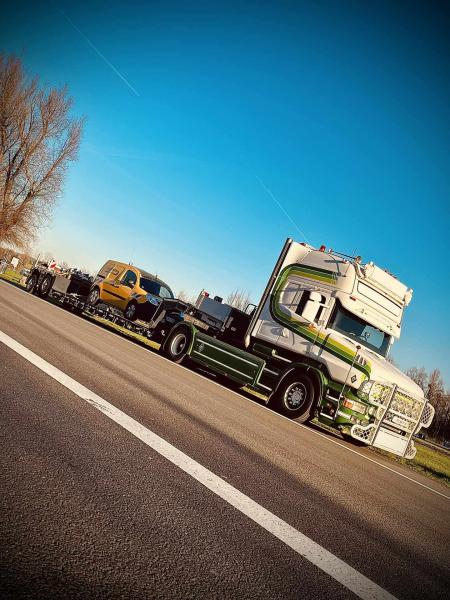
x=326 y=437
x=300 y=543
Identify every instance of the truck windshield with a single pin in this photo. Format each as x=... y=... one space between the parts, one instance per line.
x=345 y=322
x=155 y=288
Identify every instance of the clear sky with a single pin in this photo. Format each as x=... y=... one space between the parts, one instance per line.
x=216 y=130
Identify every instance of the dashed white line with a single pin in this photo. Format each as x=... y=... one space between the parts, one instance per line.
x=340 y=571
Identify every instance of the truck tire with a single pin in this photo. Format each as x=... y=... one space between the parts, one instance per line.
x=31 y=282
x=93 y=297
x=45 y=286
x=177 y=344
x=294 y=397
x=131 y=311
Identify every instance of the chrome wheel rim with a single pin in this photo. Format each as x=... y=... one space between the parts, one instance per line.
x=178 y=344
x=295 y=396
x=131 y=310
x=45 y=285
x=31 y=283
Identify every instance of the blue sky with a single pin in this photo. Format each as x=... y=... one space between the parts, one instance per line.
x=216 y=130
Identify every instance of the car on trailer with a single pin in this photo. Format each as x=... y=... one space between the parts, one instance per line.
x=135 y=292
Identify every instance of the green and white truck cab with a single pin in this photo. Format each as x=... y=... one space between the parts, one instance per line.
x=317 y=345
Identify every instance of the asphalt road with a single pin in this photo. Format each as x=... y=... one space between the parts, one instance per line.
x=87 y=510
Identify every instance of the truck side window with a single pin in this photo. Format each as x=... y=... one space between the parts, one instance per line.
x=129 y=278
x=321 y=305
x=301 y=305
x=291 y=295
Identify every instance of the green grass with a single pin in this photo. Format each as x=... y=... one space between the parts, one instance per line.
x=13 y=276
x=125 y=332
x=431 y=462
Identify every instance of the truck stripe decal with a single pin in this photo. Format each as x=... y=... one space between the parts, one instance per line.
x=328 y=277
x=310 y=332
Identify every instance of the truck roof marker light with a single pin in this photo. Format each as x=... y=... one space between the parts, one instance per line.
x=353 y=298
x=322 y=248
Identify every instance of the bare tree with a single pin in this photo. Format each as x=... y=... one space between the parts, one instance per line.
x=38 y=139
x=239 y=299
x=419 y=376
x=433 y=387
x=184 y=297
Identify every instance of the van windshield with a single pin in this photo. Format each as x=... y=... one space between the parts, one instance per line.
x=155 y=288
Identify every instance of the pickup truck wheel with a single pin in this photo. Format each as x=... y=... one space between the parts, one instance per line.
x=294 y=398
x=131 y=311
x=31 y=282
x=45 y=286
x=177 y=344
x=93 y=296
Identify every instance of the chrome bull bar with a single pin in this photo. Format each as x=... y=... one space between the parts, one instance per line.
x=398 y=417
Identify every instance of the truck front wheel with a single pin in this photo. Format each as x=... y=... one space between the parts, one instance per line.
x=294 y=398
x=45 y=286
x=177 y=344
x=31 y=282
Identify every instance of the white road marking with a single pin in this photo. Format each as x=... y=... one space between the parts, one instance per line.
x=300 y=543
x=328 y=438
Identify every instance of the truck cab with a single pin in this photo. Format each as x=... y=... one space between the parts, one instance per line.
x=317 y=344
x=341 y=317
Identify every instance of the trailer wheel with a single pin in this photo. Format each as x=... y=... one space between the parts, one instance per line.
x=31 y=282
x=131 y=311
x=295 y=397
x=93 y=296
x=177 y=344
x=45 y=286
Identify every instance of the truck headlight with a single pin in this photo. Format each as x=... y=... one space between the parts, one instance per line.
x=374 y=392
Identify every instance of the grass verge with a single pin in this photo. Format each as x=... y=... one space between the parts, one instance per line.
x=433 y=463
x=12 y=276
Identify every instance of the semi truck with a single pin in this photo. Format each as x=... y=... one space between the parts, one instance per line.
x=316 y=345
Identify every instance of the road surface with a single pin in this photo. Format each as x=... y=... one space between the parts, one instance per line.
x=89 y=509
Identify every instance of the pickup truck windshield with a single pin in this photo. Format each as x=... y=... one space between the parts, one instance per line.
x=155 y=288
x=355 y=328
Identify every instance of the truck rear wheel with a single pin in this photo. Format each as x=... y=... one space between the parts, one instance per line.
x=45 y=286
x=295 y=397
x=177 y=344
